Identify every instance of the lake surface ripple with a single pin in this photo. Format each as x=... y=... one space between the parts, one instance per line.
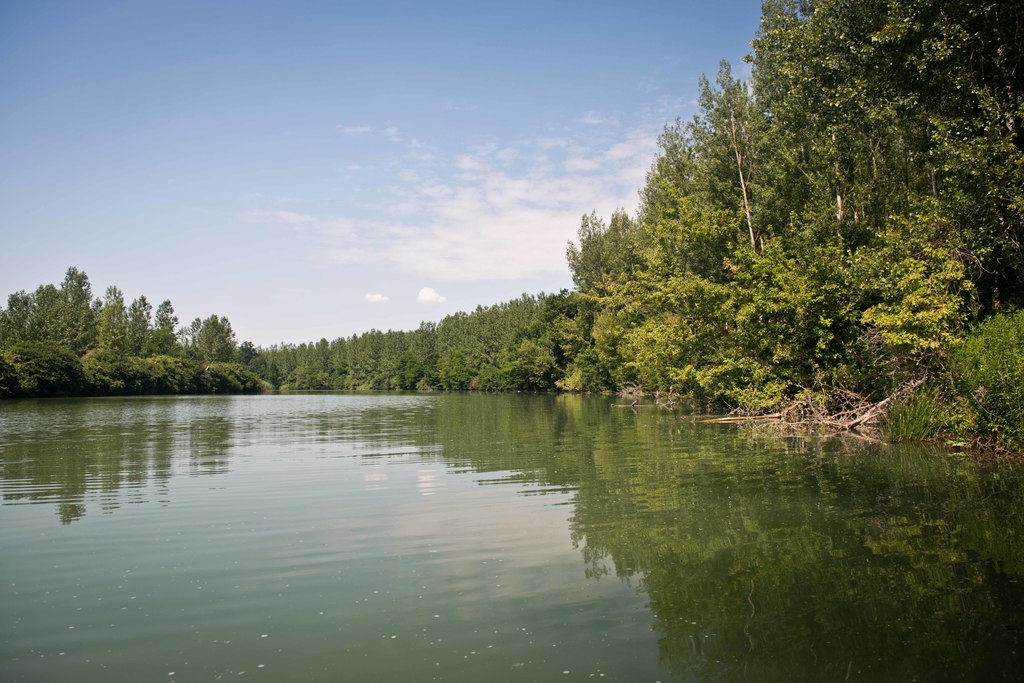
x=472 y=538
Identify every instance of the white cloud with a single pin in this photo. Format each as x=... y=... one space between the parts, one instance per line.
x=581 y=165
x=376 y=298
x=468 y=162
x=357 y=130
x=515 y=223
x=429 y=295
x=506 y=155
x=485 y=214
x=595 y=119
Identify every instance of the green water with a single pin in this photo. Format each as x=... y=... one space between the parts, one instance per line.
x=476 y=538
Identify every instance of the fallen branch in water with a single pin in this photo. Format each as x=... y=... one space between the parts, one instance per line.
x=811 y=411
x=744 y=418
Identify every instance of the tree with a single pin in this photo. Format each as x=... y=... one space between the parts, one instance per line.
x=112 y=331
x=165 y=318
x=162 y=338
x=606 y=252
x=79 y=317
x=214 y=341
x=138 y=323
x=726 y=135
x=408 y=371
x=453 y=373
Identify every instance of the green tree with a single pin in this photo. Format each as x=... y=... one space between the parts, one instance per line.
x=453 y=373
x=214 y=340
x=408 y=371
x=79 y=316
x=112 y=328
x=162 y=338
x=138 y=325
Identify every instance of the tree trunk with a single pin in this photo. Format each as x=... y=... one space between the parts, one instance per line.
x=743 y=183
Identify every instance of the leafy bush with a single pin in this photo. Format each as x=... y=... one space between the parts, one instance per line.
x=170 y=375
x=45 y=370
x=104 y=373
x=222 y=378
x=8 y=378
x=989 y=375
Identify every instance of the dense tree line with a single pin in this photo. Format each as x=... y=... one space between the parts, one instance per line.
x=849 y=221
x=503 y=347
x=63 y=341
x=841 y=219
x=842 y=223
x=838 y=223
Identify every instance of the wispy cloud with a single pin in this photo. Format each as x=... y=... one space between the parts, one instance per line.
x=493 y=211
x=429 y=295
x=376 y=298
x=459 y=106
x=332 y=229
x=356 y=130
x=594 y=119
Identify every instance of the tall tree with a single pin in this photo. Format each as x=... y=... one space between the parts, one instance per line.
x=215 y=340
x=138 y=325
x=162 y=339
x=79 y=316
x=725 y=131
x=112 y=331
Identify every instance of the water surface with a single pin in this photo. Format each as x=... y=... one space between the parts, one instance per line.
x=468 y=538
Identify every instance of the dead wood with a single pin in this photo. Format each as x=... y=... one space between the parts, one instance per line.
x=849 y=413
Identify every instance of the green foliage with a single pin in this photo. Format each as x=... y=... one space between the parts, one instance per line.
x=532 y=366
x=837 y=221
x=62 y=342
x=228 y=378
x=170 y=375
x=921 y=416
x=989 y=376
x=922 y=292
x=64 y=317
x=452 y=371
x=138 y=325
x=44 y=370
x=408 y=371
x=211 y=340
x=9 y=384
x=112 y=326
x=605 y=252
x=160 y=342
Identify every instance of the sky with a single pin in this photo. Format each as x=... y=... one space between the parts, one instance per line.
x=315 y=169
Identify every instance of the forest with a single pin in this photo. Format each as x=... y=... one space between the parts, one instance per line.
x=845 y=225
x=63 y=341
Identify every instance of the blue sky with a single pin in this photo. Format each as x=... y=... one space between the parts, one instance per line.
x=318 y=169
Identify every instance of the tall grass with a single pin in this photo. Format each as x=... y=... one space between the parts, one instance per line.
x=922 y=416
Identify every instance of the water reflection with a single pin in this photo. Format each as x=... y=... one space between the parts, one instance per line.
x=774 y=559
x=82 y=454
x=761 y=558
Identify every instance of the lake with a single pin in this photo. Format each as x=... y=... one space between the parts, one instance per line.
x=463 y=537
